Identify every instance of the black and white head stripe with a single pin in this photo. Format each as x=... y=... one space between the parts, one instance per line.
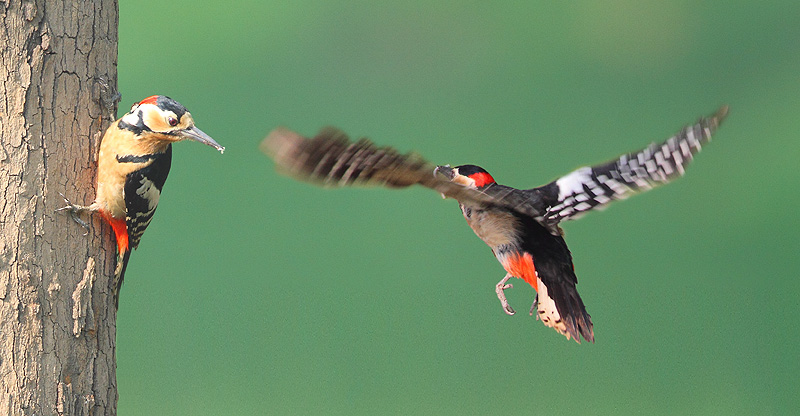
x=165 y=103
x=135 y=120
x=589 y=188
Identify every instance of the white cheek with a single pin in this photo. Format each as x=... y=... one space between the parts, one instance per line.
x=131 y=118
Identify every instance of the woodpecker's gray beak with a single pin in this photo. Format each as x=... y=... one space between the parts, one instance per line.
x=193 y=133
x=446 y=171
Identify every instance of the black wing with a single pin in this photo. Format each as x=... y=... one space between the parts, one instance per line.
x=142 y=191
x=594 y=187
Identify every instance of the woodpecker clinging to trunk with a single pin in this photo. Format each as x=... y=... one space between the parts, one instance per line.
x=132 y=166
x=520 y=226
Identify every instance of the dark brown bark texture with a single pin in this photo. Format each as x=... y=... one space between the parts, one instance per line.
x=57 y=319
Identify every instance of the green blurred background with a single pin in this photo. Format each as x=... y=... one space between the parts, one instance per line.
x=255 y=294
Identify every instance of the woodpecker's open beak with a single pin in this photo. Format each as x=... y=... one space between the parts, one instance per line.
x=193 y=133
x=445 y=171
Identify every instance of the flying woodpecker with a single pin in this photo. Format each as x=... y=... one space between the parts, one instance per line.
x=521 y=226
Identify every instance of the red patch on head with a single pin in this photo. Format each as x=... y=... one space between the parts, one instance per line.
x=120 y=230
x=481 y=179
x=149 y=100
x=521 y=265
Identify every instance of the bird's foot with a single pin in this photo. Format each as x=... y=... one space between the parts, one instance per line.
x=535 y=306
x=499 y=288
x=73 y=211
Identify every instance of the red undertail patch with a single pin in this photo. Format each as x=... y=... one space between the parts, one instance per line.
x=521 y=265
x=120 y=230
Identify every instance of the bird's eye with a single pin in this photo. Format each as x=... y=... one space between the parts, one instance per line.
x=172 y=121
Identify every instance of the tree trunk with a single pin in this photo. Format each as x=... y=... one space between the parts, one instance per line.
x=57 y=319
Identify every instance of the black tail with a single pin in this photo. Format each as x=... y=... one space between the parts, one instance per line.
x=559 y=305
x=573 y=313
x=119 y=275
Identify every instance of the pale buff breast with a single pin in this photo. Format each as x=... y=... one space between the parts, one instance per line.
x=494 y=227
x=111 y=173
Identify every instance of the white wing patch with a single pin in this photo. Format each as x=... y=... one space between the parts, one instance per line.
x=149 y=192
x=572 y=183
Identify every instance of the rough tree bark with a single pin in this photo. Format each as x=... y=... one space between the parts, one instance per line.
x=57 y=319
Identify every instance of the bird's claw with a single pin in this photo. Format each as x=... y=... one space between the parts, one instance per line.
x=73 y=212
x=508 y=309
x=499 y=288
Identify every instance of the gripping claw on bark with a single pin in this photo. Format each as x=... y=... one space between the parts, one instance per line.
x=73 y=211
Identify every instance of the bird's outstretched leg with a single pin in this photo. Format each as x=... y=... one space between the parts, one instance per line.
x=535 y=305
x=74 y=210
x=499 y=288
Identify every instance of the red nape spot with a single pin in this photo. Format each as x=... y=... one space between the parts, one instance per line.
x=120 y=230
x=521 y=265
x=149 y=100
x=481 y=179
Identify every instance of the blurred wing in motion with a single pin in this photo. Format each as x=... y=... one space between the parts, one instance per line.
x=331 y=159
